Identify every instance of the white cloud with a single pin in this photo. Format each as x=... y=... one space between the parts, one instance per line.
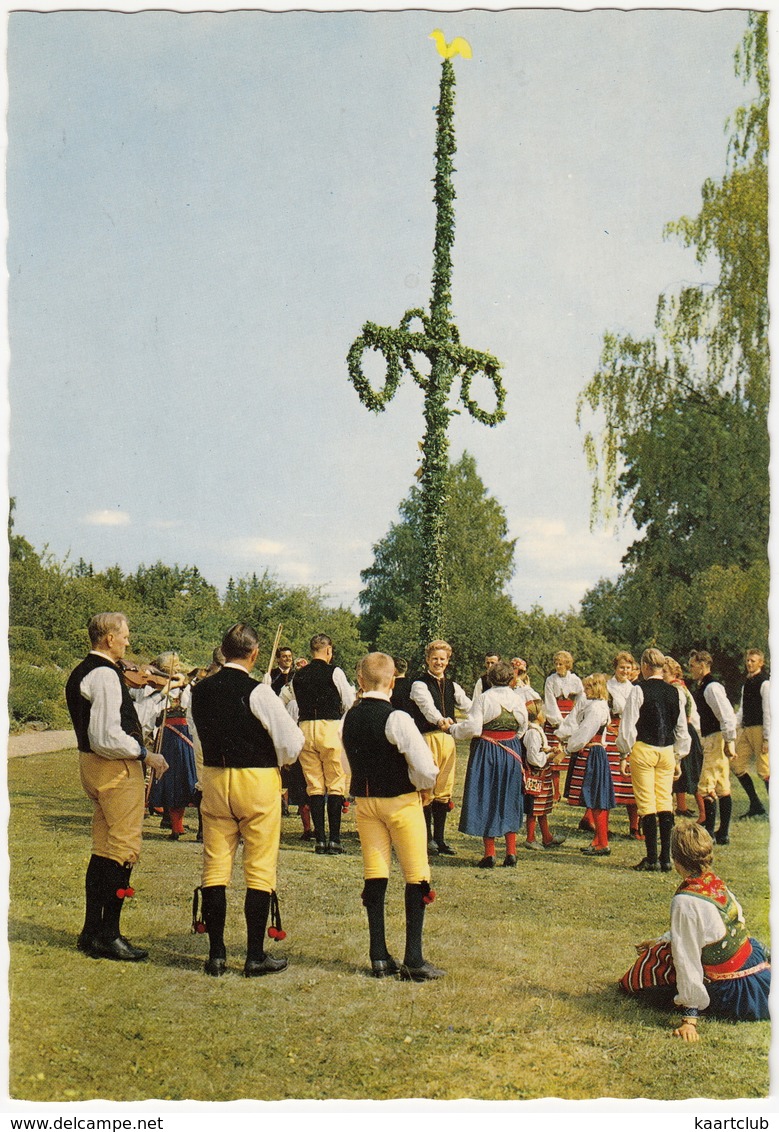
x=107 y=519
x=299 y=572
x=253 y=547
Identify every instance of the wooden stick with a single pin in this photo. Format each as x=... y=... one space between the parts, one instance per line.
x=272 y=657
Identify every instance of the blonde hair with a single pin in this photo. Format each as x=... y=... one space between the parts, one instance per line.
x=623 y=658
x=376 y=670
x=653 y=658
x=563 y=655
x=692 y=847
x=435 y=645
x=595 y=686
x=673 y=668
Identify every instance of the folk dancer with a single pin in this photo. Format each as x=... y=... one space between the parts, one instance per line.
x=112 y=763
x=754 y=726
x=706 y=961
x=589 y=782
x=562 y=689
x=691 y=764
x=653 y=735
x=718 y=733
x=492 y=799
x=434 y=698
x=322 y=695
x=390 y=765
x=246 y=735
x=619 y=687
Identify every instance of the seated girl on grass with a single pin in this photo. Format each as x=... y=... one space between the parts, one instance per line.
x=706 y=960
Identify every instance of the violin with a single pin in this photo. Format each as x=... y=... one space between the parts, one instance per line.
x=136 y=677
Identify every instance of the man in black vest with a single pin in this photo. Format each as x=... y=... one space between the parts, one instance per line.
x=284 y=670
x=323 y=695
x=390 y=763
x=718 y=735
x=755 y=724
x=653 y=734
x=112 y=763
x=433 y=700
x=246 y=735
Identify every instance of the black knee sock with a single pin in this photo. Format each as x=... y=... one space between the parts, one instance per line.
x=725 y=810
x=440 y=814
x=710 y=807
x=749 y=790
x=256 y=907
x=428 y=812
x=334 y=804
x=666 y=822
x=316 y=803
x=116 y=878
x=415 y=921
x=373 y=895
x=214 y=915
x=649 y=828
x=93 y=887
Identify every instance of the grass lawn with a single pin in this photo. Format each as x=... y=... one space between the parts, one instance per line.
x=529 y=1007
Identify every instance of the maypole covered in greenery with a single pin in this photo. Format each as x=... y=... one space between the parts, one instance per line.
x=439 y=340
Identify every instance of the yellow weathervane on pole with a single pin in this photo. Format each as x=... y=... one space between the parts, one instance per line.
x=458 y=46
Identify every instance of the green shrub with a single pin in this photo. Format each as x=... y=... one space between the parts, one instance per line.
x=37 y=694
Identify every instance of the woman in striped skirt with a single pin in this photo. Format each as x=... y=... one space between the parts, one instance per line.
x=538 y=805
x=619 y=688
x=562 y=690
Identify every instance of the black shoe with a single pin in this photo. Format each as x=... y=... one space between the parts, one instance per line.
x=666 y=867
x=510 y=861
x=267 y=966
x=685 y=814
x=721 y=838
x=215 y=967
x=446 y=850
x=753 y=813
x=120 y=949
x=173 y=836
x=320 y=847
x=647 y=866
x=384 y=968
x=199 y=838
x=421 y=974
x=334 y=848
x=553 y=843
x=486 y=863
x=432 y=847
x=594 y=851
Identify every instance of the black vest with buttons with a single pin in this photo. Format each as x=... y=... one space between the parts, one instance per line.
x=80 y=708
x=709 y=722
x=230 y=734
x=443 y=697
x=379 y=769
x=658 y=714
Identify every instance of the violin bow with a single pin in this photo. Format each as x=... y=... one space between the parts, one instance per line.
x=272 y=656
x=158 y=737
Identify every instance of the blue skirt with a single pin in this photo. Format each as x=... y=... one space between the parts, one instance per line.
x=492 y=796
x=745 y=999
x=174 y=791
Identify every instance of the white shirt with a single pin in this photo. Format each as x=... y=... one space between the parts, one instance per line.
x=695 y=923
x=488 y=706
x=104 y=692
x=536 y=746
x=527 y=693
x=716 y=697
x=403 y=733
x=567 y=687
x=423 y=698
x=619 y=690
x=626 y=736
x=583 y=723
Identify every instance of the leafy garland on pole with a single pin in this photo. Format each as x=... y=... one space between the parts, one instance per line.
x=439 y=340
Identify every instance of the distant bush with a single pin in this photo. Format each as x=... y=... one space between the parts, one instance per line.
x=36 y=695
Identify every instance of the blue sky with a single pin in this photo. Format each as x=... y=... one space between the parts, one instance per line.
x=203 y=210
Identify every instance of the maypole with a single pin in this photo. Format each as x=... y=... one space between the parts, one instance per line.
x=439 y=340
